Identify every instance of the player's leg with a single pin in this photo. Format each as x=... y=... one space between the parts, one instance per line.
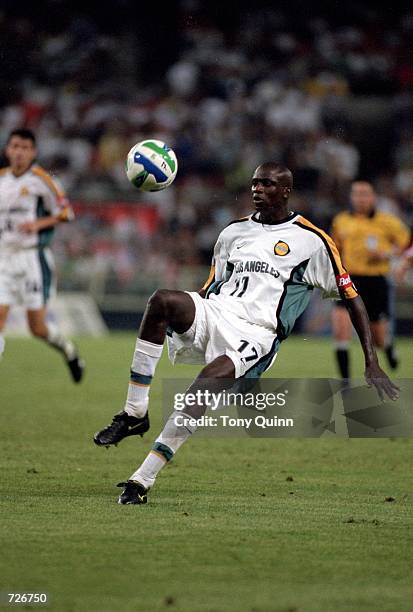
x=389 y=342
x=380 y=311
x=342 y=332
x=165 y=309
x=219 y=374
x=233 y=349
x=379 y=332
x=39 y=327
x=38 y=285
x=4 y=311
x=383 y=340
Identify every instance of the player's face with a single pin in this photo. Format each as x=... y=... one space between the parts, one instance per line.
x=266 y=190
x=362 y=197
x=20 y=152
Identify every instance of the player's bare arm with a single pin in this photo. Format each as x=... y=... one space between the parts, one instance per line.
x=32 y=227
x=373 y=373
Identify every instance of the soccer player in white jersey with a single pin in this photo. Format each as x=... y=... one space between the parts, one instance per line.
x=31 y=205
x=264 y=269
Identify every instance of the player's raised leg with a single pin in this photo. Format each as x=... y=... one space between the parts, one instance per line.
x=4 y=311
x=165 y=308
x=219 y=374
x=49 y=333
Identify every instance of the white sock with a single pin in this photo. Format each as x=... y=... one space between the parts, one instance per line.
x=149 y=469
x=166 y=445
x=59 y=342
x=144 y=362
x=2 y=345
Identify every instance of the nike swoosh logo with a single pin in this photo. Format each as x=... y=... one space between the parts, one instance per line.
x=135 y=426
x=239 y=246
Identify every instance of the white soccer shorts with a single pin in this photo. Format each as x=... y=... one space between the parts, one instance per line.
x=26 y=277
x=215 y=332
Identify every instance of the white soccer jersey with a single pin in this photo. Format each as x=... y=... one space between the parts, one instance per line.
x=265 y=273
x=25 y=198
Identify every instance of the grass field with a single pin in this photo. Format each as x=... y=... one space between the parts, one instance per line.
x=224 y=530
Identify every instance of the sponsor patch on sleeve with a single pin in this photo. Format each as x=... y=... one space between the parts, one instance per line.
x=343 y=280
x=346 y=286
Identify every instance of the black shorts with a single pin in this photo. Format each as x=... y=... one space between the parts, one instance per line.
x=374 y=291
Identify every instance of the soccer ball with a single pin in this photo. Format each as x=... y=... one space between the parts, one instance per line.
x=151 y=165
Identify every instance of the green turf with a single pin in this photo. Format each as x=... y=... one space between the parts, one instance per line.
x=224 y=530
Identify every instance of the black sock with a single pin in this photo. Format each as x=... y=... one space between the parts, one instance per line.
x=343 y=362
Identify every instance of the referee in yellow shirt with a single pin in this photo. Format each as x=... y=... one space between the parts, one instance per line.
x=367 y=240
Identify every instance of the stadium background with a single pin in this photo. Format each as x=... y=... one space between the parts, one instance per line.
x=326 y=89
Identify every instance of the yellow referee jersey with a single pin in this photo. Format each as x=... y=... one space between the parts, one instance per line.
x=360 y=238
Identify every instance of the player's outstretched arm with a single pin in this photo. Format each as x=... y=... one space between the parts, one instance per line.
x=31 y=227
x=374 y=375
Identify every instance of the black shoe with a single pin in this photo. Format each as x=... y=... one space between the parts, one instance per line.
x=133 y=493
x=76 y=367
x=122 y=426
x=392 y=357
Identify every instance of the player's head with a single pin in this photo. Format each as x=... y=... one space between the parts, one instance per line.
x=271 y=186
x=21 y=149
x=362 y=197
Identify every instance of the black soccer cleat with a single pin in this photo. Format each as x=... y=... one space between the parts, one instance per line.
x=133 y=493
x=76 y=367
x=121 y=427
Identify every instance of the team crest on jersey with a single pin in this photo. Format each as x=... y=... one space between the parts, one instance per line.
x=281 y=248
x=24 y=191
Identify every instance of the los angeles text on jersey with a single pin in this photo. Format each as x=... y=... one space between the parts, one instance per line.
x=269 y=285
x=256 y=266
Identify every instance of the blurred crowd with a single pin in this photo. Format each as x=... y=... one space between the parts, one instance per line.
x=331 y=98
